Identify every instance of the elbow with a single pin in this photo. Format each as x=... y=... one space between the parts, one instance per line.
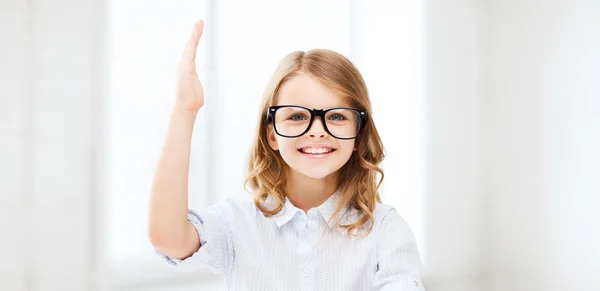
x=163 y=239
x=170 y=245
x=156 y=237
x=160 y=237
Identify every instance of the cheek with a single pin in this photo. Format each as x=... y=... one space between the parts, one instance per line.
x=347 y=146
x=286 y=146
x=345 y=152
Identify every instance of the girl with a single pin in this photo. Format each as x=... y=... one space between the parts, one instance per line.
x=315 y=221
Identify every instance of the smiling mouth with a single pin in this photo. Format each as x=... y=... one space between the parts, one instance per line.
x=316 y=151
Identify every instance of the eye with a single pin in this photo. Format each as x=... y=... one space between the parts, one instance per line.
x=337 y=117
x=297 y=117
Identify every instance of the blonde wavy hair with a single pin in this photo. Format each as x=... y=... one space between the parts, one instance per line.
x=267 y=171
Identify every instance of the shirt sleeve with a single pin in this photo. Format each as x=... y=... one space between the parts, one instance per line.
x=399 y=265
x=216 y=251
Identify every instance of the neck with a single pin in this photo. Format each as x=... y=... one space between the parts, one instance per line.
x=306 y=192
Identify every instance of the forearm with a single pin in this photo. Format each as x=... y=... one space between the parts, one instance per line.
x=168 y=225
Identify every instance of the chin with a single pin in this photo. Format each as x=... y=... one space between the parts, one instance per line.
x=316 y=173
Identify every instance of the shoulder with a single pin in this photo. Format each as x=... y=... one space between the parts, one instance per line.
x=382 y=209
x=387 y=218
x=382 y=215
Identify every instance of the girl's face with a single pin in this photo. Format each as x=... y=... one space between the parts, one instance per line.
x=315 y=154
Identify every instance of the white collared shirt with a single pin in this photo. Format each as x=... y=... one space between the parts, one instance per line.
x=288 y=251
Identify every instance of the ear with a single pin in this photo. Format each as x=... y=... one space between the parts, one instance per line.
x=272 y=138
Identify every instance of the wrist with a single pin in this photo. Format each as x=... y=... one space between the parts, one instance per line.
x=185 y=110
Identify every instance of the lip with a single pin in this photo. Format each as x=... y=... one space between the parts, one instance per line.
x=317 y=156
x=317 y=145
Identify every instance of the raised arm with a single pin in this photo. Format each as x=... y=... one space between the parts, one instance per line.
x=170 y=232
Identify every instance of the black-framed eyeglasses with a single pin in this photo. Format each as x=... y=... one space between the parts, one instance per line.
x=294 y=121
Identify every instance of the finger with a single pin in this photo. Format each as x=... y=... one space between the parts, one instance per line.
x=189 y=54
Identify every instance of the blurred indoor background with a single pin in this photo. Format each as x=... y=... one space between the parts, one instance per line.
x=489 y=111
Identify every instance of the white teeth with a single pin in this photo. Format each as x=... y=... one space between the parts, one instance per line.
x=316 y=150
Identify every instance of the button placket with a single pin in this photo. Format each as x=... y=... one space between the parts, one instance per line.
x=305 y=249
x=300 y=224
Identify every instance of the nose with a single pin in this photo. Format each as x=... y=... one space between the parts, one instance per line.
x=317 y=129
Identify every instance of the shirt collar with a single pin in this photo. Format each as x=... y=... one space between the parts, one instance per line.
x=286 y=213
x=326 y=210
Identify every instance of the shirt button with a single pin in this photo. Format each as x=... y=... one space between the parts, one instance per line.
x=306 y=273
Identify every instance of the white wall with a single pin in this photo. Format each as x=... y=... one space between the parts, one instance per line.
x=13 y=124
x=453 y=103
x=49 y=74
x=513 y=132
x=542 y=103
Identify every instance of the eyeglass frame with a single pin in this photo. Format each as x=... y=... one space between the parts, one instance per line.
x=317 y=113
